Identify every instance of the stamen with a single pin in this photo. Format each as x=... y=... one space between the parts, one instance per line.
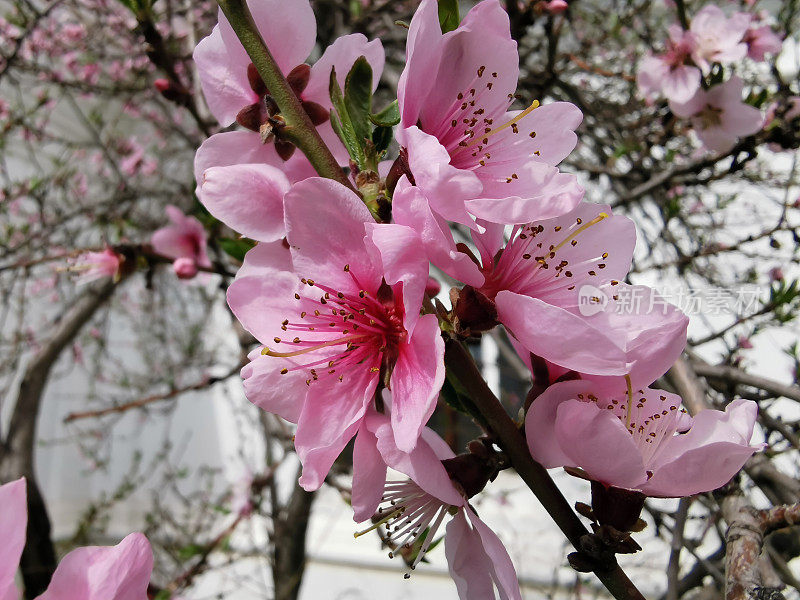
x=348 y=338
x=398 y=511
x=581 y=229
x=534 y=105
x=630 y=401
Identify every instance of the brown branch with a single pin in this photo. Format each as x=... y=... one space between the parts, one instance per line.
x=142 y=402
x=743 y=541
x=740 y=377
x=779 y=517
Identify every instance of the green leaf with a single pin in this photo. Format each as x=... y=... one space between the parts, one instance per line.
x=448 y=15
x=163 y=595
x=381 y=138
x=236 y=248
x=388 y=117
x=358 y=97
x=342 y=124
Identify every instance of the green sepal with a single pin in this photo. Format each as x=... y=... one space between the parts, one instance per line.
x=236 y=248
x=448 y=15
x=388 y=117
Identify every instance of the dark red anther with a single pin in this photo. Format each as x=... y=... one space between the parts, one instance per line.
x=284 y=149
x=316 y=112
x=298 y=78
x=252 y=117
x=256 y=83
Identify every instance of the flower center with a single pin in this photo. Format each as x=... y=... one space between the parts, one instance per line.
x=710 y=116
x=512 y=270
x=338 y=330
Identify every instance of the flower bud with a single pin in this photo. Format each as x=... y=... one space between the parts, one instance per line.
x=185 y=268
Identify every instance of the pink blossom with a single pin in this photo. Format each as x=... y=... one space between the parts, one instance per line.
x=760 y=41
x=718 y=116
x=744 y=343
x=338 y=315
x=630 y=442
x=289 y=29
x=184 y=239
x=668 y=73
x=468 y=153
x=719 y=38
x=476 y=557
x=96 y=265
x=120 y=572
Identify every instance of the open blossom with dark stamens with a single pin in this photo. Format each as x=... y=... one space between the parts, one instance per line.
x=235 y=92
x=342 y=319
x=476 y=557
x=630 y=441
x=466 y=150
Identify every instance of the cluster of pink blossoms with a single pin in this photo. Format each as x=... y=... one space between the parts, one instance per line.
x=683 y=73
x=350 y=344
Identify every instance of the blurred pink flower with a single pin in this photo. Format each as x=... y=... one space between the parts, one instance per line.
x=630 y=442
x=760 y=41
x=668 y=73
x=184 y=239
x=718 y=38
x=120 y=572
x=96 y=265
x=719 y=117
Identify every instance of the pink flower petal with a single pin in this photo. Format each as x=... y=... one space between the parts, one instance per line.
x=341 y=55
x=330 y=418
x=248 y=199
x=422 y=464
x=120 y=572
x=540 y=423
x=243 y=147
x=705 y=458
x=223 y=77
x=325 y=225
x=597 y=441
x=411 y=207
x=416 y=380
x=559 y=336
x=369 y=476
